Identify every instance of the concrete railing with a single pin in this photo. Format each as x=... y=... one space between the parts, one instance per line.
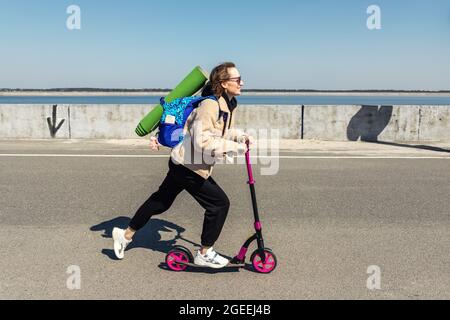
x=332 y=122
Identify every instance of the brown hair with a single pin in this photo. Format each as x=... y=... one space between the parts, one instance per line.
x=218 y=75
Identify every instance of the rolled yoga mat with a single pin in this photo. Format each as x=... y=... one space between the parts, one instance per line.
x=188 y=87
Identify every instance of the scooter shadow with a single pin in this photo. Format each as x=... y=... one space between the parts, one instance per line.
x=207 y=270
x=150 y=238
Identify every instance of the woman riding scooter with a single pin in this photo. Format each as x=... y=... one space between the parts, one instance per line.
x=208 y=134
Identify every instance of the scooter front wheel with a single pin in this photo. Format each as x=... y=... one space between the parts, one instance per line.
x=269 y=264
x=177 y=259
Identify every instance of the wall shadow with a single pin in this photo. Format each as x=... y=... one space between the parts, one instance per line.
x=423 y=147
x=370 y=121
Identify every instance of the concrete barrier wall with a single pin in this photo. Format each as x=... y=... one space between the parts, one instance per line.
x=332 y=122
x=434 y=123
x=388 y=123
x=285 y=119
x=106 y=121
x=371 y=123
x=30 y=121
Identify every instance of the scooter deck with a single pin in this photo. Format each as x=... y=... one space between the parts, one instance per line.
x=230 y=265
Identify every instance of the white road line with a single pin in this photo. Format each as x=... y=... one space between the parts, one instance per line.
x=25 y=155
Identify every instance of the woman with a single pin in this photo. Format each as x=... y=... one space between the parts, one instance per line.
x=208 y=136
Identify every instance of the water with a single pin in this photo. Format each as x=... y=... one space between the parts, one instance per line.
x=248 y=99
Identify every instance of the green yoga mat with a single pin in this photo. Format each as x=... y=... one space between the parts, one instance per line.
x=188 y=87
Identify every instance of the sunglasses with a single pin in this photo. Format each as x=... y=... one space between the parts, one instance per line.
x=238 y=80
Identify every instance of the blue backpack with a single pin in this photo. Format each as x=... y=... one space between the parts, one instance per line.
x=174 y=118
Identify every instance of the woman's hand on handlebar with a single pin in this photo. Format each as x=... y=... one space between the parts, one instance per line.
x=247 y=139
x=154 y=144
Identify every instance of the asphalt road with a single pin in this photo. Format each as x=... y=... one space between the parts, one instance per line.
x=328 y=214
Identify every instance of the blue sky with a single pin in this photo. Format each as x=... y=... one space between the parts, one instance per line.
x=292 y=44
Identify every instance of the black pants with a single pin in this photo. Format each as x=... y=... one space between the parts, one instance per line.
x=207 y=193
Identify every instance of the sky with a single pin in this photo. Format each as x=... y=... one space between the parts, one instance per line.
x=283 y=44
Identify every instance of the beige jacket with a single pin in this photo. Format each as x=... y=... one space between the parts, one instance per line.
x=207 y=138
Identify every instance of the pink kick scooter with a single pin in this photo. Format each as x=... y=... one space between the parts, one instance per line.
x=262 y=259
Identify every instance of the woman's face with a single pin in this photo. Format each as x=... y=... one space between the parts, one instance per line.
x=234 y=83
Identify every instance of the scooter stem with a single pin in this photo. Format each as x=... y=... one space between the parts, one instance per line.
x=251 y=181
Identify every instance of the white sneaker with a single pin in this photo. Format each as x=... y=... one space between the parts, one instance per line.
x=120 y=243
x=211 y=259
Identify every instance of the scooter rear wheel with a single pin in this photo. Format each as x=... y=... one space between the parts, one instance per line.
x=264 y=267
x=177 y=255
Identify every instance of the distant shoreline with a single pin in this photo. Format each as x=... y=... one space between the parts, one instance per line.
x=246 y=93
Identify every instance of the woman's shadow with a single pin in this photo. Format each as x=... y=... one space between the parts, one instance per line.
x=149 y=237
